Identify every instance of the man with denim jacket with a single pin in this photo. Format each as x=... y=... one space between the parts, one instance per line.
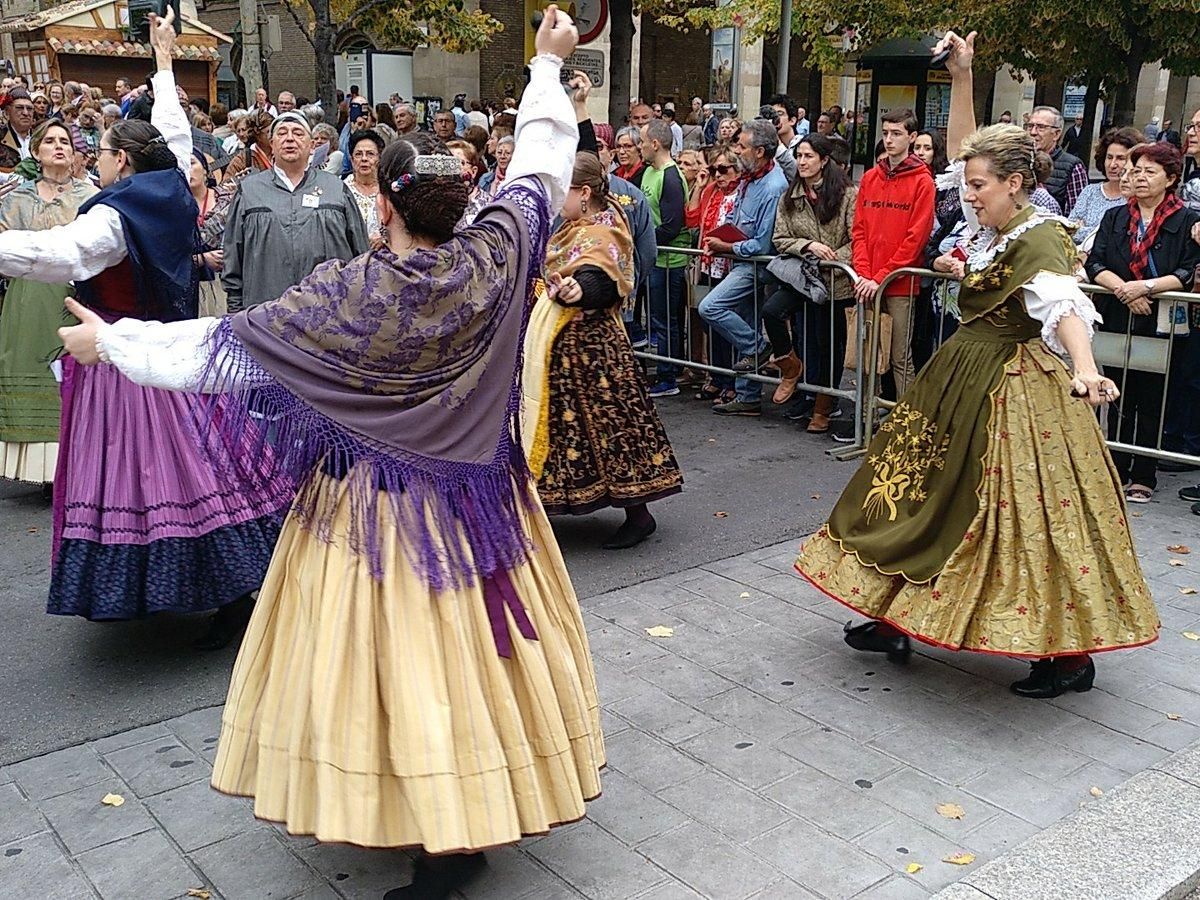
x=729 y=307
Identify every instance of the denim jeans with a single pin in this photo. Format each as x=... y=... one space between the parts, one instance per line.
x=729 y=308
x=668 y=299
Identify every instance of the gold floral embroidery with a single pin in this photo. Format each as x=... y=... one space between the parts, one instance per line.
x=902 y=467
x=989 y=278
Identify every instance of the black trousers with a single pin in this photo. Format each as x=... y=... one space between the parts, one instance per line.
x=1135 y=419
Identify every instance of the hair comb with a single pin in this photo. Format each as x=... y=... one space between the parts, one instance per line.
x=438 y=165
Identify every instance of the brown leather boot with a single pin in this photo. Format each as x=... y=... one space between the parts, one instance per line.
x=790 y=370
x=819 y=423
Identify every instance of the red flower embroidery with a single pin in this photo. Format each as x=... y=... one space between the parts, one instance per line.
x=855 y=591
x=1000 y=401
x=969 y=536
x=1004 y=504
x=1004 y=435
x=1022 y=610
x=822 y=576
x=983 y=641
x=935 y=594
x=1045 y=435
x=904 y=614
x=1084 y=570
x=1098 y=641
x=1071 y=607
x=1041 y=499
x=1121 y=600
x=1064 y=503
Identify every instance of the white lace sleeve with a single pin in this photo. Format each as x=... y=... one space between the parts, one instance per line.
x=547 y=133
x=76 y=251
x=169 y=355
x=1050 y=297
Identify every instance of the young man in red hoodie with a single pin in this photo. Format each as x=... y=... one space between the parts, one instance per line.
x=893 y=219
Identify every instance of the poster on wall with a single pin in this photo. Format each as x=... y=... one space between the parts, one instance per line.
x=1073 y=100
x=724 y=51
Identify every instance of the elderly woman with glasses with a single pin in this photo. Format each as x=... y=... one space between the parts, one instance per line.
x=628 y=149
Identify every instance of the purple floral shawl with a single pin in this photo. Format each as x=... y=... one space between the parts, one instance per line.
x=400 y=375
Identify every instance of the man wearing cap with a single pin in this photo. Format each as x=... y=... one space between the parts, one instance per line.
x=287 y=220
x=19 y=106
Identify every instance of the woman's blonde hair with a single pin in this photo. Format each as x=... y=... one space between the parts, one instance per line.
x=1007 y=149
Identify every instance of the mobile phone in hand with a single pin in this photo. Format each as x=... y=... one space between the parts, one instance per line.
x=161 y=8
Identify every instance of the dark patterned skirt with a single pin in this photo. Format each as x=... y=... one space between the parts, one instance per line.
x=607 y=445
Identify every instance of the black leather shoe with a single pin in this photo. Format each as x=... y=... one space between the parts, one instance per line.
x=1190 y=494
x=226 y=624
x=438 y=877
x=1053 y=681
x=630 y=534
x=1039 y=672
x=867 y=637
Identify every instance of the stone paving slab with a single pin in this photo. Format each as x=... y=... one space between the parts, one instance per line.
x=752 y=755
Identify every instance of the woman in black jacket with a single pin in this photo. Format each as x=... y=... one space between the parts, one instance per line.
x=1143 y=249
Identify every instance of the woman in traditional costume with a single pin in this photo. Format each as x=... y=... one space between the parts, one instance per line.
x=595 y=438
x=143 y=521
x=32 y=312
x=416 y=672
x=988 y=515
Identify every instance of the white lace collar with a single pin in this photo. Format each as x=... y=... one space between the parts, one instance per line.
x=981 y=251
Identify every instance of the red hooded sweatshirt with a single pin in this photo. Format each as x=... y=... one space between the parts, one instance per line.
x=893 y=219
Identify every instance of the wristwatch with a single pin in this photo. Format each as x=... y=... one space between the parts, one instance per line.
x=1149 y=287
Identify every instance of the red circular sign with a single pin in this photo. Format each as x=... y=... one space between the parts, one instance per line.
x=591 y=17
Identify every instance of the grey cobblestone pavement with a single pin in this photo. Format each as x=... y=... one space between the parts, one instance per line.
x=751 y=754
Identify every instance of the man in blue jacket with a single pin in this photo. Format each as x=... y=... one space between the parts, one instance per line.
x=729 y=307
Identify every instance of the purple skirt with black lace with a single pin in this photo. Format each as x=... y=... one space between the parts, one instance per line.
x=143 y=521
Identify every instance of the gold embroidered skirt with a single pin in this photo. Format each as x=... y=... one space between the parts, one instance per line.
x=1045 y=567
x=379 y=713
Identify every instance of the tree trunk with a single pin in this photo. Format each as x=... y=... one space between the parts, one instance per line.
x=324 y=37
x=620 y=60
x=1090 y=101
x=1049 y=92
x=1124 y=94
x=983 y=101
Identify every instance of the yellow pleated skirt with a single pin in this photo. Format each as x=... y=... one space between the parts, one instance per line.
x=379 y=713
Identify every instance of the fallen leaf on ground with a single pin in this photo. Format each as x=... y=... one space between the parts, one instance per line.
x=712 y=440
x=1175 y=562
x=816 y=496
x=32 y=530
x=1186 y=592
x=1096 y=792
x=744 y=595
x=1136 y=515
x=1191 y=636
x=950 y=811
x=721 y=514
x=199 y=893
x=660 y=631
x=1179 y=548
x=959 y=859
x=1174 y=717
x=112 y=800
x=913 y=868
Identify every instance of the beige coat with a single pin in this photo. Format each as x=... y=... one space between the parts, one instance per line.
x=795 y=231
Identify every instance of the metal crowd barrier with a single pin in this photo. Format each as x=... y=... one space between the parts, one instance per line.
x=1118 y=354
x=691 y=326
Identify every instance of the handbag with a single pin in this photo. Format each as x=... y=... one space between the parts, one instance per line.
x=802 y=275
x=883 y=360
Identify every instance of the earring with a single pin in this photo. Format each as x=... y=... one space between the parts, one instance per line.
x=583 y=207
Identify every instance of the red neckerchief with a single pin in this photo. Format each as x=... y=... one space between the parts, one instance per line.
x=1139 y=264
x=630 y=173
x=712 y=207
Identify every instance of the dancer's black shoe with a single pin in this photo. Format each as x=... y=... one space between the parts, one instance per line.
x=631 y=533
x=1055 y=680
x=226 y=624
x=873 y=638
x=437 y=877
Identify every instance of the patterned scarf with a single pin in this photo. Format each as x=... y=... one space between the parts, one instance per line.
x=1139 y=264
x=602 y=240
x=398 y=375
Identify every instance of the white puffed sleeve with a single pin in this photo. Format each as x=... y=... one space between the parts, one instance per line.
x=1050 y=297
x=81 y=249
x=547 y=133
x=173 y=356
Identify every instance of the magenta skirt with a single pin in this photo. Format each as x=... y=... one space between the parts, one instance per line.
x=144 y=521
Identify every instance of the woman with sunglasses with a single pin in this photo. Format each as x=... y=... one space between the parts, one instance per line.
x=711 y=204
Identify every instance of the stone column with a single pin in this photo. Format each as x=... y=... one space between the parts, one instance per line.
x=749 y=81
